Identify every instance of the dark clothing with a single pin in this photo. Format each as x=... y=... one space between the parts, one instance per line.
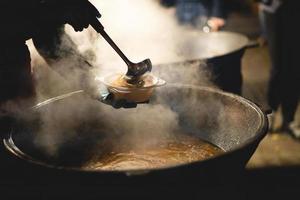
x=15 y=72
x=213 y=7
x=23 y=19
x=17 y=20
x=168 y=3
x=43 y=21
x=284 y=42
x=266 y=2
x=269 y=2
x=197 y=12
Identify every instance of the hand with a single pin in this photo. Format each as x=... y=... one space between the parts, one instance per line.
x=80 y=15
x=215 y=23
x=120 y=103
x=105 y=97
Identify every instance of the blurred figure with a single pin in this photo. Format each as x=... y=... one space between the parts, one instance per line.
x=207 y=15
x=168 y=3
x=263 y=35
x=283 y=38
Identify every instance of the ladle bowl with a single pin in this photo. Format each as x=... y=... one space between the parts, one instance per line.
x=137 y=70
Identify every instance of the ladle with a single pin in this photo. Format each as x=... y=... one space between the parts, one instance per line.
x=135 y=70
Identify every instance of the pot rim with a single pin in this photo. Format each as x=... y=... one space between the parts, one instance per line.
x=242 y=46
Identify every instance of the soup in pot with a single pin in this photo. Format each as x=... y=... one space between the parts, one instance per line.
x=183 y=150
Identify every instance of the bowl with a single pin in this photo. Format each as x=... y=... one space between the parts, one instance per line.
x=139 y=92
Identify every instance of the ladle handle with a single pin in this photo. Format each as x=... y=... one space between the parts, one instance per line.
x=100 y=29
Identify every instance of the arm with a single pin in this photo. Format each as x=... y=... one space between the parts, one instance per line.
x=62 y=55
x=217 y=19
x=23 y=19
x=78 y=13
x=56 y=47
x=54 y=44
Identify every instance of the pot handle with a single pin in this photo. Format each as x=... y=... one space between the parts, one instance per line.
x=265 y=109
x=252 y=44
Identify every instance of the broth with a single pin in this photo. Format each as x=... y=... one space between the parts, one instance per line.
x=169 y=153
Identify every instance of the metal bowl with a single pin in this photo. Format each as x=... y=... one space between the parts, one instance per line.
x=132 y=92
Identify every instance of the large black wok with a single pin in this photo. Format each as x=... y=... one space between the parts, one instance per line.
x=221 y=51
x=231 y=122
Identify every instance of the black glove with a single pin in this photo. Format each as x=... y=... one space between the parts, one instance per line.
x=120 y=103
x=80 y=15
x=108 y=98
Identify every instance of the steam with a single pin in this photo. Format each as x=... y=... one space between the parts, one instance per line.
x=142 y=29
x=79 y=119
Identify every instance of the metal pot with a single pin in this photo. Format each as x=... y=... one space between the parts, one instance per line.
x=221 y=51
x=230 y=122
